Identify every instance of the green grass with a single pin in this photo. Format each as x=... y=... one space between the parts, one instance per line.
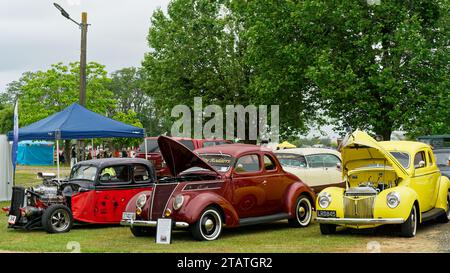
x=273 y=237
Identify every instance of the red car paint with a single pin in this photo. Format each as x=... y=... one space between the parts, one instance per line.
x=239 y=196
x=154 y=155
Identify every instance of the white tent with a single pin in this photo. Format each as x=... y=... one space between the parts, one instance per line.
x=6 y=171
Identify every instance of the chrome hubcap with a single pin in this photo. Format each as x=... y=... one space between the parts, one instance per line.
x=302 y=212
x=209 y=225
x=60 y=220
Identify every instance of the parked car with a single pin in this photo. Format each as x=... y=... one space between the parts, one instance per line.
x=317 y=167
x=233 y=184
x=443 y=160
x=154 y=155
x=97 y=191
x=388 y=182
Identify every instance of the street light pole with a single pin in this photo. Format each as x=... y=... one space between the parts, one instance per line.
x=82 y=97
x=84 y=27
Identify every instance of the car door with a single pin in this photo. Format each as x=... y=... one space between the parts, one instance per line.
x=111 y=192
x=425 y=180
x=317 y=175
x=249 y=195
x=332 y=165
x=274 y=184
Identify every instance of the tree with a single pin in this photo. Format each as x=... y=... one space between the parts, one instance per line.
x=128 y=86
x=6 y=118
x=195 y=52
x=129 y=117
x=381 y=67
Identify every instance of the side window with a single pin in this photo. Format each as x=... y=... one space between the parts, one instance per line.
x=315 y=161
x=269 y=164
x=247 y=163
x=330 y=160
x=115 y=174
x=140 y=173
x=418 y=158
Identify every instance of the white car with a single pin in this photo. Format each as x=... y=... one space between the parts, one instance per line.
x=317 y=167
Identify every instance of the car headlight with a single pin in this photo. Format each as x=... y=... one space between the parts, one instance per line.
x=393 y=199
x=140 y=202
x=324 y=199
x=178 y=202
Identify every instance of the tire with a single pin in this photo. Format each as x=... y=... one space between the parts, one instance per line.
x=57 y=219
x=445 y=217
x=327 y=229
x=303 y=212
x=143 y=231
x=209 y=226
x=409 y=228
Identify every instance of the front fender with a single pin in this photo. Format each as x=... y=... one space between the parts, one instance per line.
x=407 y=198
x=337 y=200
x=196 y=203
x=444 y=187
x=131 y=206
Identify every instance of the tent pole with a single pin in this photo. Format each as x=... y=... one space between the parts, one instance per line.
x=145 y=144
x=93 y=150
x=57 y=157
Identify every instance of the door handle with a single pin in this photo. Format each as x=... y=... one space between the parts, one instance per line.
x=264 y=182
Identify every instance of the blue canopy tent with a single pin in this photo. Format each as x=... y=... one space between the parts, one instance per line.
x=76 y=122
x=35 y=153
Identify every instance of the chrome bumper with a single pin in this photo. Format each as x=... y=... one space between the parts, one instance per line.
x=141 y=223
x=360 y=221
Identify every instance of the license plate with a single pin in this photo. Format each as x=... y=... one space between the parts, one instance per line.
x=12 y=219
x=326 y=213
x=128 y=216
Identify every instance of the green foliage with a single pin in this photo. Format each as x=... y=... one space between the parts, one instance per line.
x=128 y=86
x=196 y=51
x=131 y=118
x=6 y=118
x=43 y=93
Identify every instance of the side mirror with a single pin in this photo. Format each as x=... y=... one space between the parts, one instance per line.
x=421 y=164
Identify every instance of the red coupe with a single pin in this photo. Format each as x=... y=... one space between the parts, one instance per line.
x=226 y=185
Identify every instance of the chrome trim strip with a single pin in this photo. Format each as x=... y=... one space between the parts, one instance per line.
x=151 y=204
x=141 y=223
x=202 y=189
x=167 y=203
x=359 y=221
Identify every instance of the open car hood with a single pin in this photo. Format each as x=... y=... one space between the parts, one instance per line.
x=358 y=149
x=179 y=158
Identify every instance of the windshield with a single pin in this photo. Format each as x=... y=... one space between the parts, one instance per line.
x=152 y=146
x=291 y=160
x=442 y=157
x=402 y=157
x=83 y=172
x=220 y=162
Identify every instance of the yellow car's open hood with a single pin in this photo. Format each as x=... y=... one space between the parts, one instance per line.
x=359 y=149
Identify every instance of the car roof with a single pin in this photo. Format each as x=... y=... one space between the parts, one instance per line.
x=104 y=162
x=403 y=145
x=308 y=151
x=234 y=150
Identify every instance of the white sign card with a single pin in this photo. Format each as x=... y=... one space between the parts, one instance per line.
x=164 y=231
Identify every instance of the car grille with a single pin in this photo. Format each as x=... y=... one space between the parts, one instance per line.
x=17 y=199
x=358 y=207
x=161 y=195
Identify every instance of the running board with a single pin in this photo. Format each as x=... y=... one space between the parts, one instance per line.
x=263 y=219
x=432 y=214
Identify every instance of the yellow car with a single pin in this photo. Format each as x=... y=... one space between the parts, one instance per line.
x=388 y=182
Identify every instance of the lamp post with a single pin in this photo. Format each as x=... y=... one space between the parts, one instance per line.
x=83 y=26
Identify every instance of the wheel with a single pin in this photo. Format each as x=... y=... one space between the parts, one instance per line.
x=142 y=231
x=326 y=229
x=57 y=219
x=409 y=228
x=445 y=217
x=209 y=226
x=303 y=212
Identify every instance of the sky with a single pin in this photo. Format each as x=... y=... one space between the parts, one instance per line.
x=34 y=35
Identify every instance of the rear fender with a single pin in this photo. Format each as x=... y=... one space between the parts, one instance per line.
x=293 y=192
x=444 y=185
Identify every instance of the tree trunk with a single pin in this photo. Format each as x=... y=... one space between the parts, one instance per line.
x=67 y=152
